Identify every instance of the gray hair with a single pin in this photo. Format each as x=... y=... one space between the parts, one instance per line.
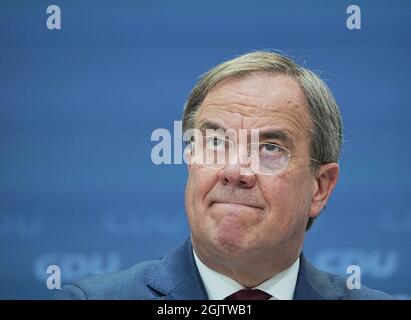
x=327 y=132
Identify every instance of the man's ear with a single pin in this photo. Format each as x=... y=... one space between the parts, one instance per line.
x=325 y=179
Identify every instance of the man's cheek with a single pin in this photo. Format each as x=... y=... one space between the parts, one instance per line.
x=284 y=203
x=204 y=179
x=195 y=190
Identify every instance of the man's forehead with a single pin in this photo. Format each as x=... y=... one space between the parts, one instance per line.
x=257 y=102
x=267 y=91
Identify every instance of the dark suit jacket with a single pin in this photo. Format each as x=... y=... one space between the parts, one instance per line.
x=176 y=277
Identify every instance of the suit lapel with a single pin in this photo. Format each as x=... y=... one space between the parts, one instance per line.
x=177 y=276
x=313 y=284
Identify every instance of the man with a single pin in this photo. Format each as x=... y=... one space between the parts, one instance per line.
x=248 y=218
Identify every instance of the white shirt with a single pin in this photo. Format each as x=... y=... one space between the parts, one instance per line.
x=219 y=286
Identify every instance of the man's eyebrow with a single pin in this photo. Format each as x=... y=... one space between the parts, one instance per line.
x=276 y=135
x=211 y=125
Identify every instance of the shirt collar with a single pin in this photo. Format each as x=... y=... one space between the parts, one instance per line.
x=219 y=286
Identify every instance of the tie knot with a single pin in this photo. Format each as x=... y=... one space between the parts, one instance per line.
x=247 y=294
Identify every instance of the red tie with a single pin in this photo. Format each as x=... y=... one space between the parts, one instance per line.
x=246 y=294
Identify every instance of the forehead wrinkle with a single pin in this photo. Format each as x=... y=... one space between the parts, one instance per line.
x=229 y=103
x=259 y=95
x=283 y=114
x=283 y=100
x=244 y=109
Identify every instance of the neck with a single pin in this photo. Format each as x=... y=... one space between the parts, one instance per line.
x=249 y=270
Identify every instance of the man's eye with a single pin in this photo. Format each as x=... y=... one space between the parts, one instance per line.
x=215 y=142
x=269 y=148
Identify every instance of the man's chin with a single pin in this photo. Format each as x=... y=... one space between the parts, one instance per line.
x=231 y=244
x=230 y=234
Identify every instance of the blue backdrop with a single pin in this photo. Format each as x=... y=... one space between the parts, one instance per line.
x=78 y=106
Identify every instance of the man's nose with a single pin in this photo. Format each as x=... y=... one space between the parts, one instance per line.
x=237 y=175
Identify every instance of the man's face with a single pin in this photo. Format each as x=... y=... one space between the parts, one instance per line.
x=236 y=212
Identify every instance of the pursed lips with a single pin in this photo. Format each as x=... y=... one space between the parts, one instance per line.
x=237 y=203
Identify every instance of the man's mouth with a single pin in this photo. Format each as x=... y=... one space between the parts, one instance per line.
x=235 y=204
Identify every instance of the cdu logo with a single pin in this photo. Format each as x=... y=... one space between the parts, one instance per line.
x=54 y=268
x=376 y=263
x=136 y=225
x=20 y=225
x=396 y=221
